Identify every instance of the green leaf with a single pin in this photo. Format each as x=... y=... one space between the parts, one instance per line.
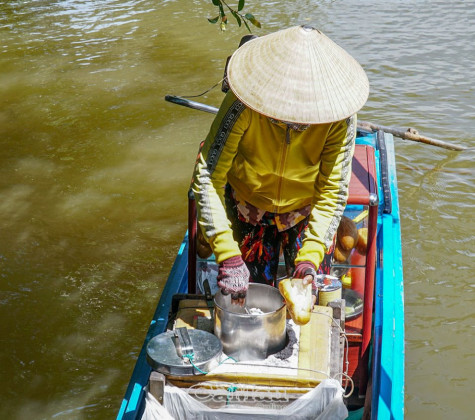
x=221 y=10
x=236 y=16
x=252 y=19
x=213 y=20
x=216 y=2
x=241 y=5
x=256 y=23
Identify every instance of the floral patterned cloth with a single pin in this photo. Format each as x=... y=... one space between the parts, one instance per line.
x=283 y=221
x=263 y=236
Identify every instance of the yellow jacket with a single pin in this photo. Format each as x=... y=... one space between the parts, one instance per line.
x=276 y=169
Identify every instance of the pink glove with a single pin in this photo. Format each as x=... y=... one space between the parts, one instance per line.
x=233 y=277
x=306 y=268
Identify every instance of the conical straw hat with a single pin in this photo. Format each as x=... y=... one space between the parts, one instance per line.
x=298 y=75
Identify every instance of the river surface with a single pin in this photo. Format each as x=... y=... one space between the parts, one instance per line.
x=95 y=166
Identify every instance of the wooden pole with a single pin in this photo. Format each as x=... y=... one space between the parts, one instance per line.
x=410 y=134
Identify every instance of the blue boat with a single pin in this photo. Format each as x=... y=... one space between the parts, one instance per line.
x=374 y=355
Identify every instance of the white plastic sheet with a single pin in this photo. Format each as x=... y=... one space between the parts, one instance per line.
x=154 y=410
x=324 y=402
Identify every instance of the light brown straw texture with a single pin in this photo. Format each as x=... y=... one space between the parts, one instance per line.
x=298 y=75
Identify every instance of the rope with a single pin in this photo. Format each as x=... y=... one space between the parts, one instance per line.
x=191 y=357
x=279 y=366
x=346 y=350
x=229 y=357
x=203 y=93
x=230 y=389
x=348 y=378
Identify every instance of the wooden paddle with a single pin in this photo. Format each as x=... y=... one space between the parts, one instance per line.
x=410 y=134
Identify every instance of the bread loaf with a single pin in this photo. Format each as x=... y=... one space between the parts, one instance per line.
x=298 y=298
x=362 y=243
x=347 y=234
x=340 y=255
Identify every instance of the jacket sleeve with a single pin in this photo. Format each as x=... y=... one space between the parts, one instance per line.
x=331 y=191
x=210 y=176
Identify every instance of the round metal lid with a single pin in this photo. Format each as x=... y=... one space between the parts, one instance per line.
x=165 y=352
x=353 y=302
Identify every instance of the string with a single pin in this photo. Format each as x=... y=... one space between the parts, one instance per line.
x=204 y=93
x=230 y=389
x=346 y=350
x=191 y=357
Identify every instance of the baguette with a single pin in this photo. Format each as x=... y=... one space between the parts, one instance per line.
x=298 y=299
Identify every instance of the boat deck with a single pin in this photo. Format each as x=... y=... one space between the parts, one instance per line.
x=384 y=338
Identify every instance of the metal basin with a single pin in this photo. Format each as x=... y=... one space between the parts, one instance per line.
x=251 y=336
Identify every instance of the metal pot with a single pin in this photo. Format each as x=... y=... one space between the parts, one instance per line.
x=251 y=336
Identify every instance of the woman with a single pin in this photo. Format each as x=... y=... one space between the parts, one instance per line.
x=274 y=170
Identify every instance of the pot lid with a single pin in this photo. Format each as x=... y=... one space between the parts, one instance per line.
x=353 y=303
x=184 y=352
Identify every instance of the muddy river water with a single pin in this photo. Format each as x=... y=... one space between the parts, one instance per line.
x=95 y=166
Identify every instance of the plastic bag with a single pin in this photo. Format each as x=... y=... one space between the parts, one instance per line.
x=207 y=271
x=324 y=402
x=154 y=410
